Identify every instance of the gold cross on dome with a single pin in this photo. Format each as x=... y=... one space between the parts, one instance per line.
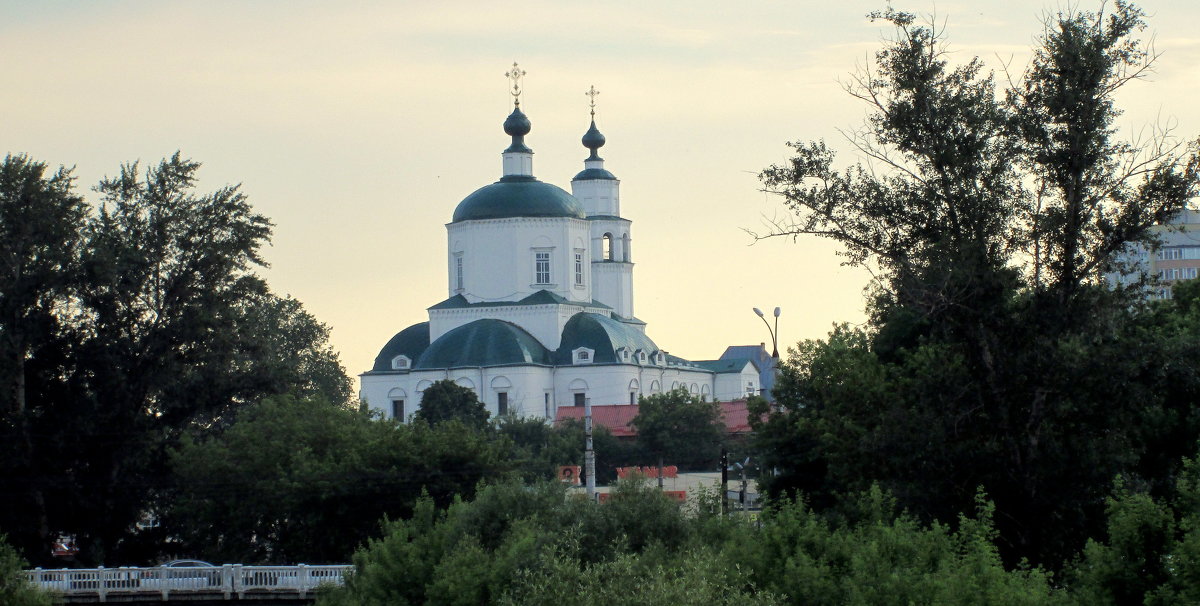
x=592 y=92
x=515 y=74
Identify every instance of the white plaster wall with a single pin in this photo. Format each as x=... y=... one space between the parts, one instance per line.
x=614 y=286
x=618 y=228
x=498 y=258
x=735 y=386
x=527 y=386
x=606 y=383
x=599 y=196
x=544 y=322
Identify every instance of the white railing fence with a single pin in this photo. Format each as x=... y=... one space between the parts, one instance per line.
x=228 y=580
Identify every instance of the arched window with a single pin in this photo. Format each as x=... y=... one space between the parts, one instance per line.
x=578 y=389
x=625 y=255
x=397 y=397
x=607 y=248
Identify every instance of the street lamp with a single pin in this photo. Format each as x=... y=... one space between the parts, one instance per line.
x=774 y=332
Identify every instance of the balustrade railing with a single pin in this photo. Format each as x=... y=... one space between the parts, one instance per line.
x=227 y=580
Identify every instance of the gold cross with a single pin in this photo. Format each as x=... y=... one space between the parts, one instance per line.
x=592 y=92
x=515 y=74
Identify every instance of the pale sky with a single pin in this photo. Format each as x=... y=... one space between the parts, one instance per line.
x=357 y=127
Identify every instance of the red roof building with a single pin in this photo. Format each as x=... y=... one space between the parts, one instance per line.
x=616 y=417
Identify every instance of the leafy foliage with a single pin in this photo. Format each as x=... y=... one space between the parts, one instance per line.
x=680 y=427
x=301 y=480
x=446 y=400
x=994 y=356
x=533 y=544
x=15 y=590
x=144 y=320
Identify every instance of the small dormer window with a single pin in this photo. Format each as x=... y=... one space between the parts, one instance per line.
x=401 y=363
x=641 y=357
x=583 y=355
x=623 y=354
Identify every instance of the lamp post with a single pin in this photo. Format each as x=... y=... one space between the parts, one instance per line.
x=774 y=344
x=774 y=331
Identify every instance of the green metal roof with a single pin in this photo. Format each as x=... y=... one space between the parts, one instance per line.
x=589 y=174
x=541 y=297
x=410 y=342
x=726 y=366
x=518 y=196
x=602 y=334
x=484 y=343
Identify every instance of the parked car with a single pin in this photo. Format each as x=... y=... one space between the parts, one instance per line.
x=182 y=574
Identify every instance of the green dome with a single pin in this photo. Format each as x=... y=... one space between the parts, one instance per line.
x=484 y=343
x=602 y=334
x=588 y=174
x=410 y=342
x=593 y=140
x=518 y=196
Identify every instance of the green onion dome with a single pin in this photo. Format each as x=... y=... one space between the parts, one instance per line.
x=518 y=196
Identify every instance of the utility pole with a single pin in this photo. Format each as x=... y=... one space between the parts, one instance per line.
x=742 y=494
x=724 y=482
x=589 y=455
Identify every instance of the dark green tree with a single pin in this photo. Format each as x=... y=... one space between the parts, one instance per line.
x=302 y=480
x=153 y=324
x=41 y=225
x=15 y=590
x=446 y=400
x=994 y=354
x=680 y=427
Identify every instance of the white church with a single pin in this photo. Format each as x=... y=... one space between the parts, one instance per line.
x=540 y=307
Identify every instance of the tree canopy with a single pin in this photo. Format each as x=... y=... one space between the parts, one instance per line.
x=446 y=400
x=680 y=427
x=127 y=324
x=994 y=355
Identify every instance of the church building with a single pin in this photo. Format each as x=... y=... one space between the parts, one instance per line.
x=540 y=307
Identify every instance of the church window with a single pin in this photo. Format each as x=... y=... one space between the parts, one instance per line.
x=547 y=402
x=632 y=398
x=608 y=250
x=502 y=403
x=541 y=267
x=578 y=267
x=398 y=409
x=580 y=398
x=400 y=363
x=583 y=355
x=458 y=272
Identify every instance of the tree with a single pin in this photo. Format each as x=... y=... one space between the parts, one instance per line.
x=273 y=486
x=994 y=355
x=446 y=400
x=679 y=426
x=15 y=589
x=152 y=324
x=41 y=222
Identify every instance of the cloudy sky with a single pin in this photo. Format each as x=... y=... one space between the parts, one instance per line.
x=359 y=126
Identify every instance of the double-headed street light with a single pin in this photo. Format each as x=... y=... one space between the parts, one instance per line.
x=774 y=332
